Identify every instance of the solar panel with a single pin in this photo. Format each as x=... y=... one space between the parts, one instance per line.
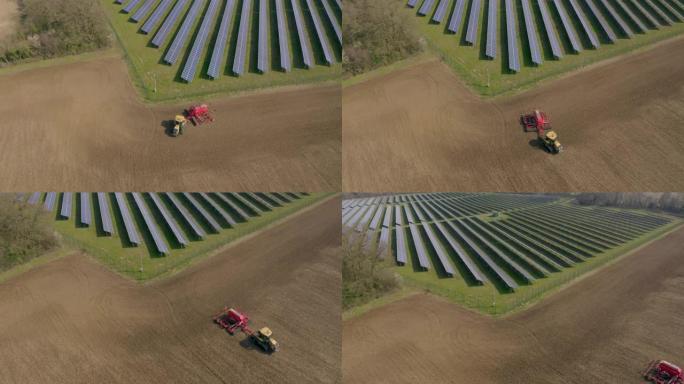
x=605 y=26
x=401 y=246
x=387 y=221
x=35 y=196
x=67 y=198
x=285 y=58
x=200 y=41
x=227 y=217
x=531 y=29
x=398 y=216
x=441 y=11
x=635 y=19
x=412 y=3
x=568 y=26
x=614 y=14
x=322 y=39
x=261 y=200
x=203 y=212
x=187 y=217
x=50 y=199
x=472 y=268
x=384 y=239
x=550 y=29
x=442 y=255
x=339 y=4
x=129 y=7
x=492 y=28
x=282 y=197
x=131 y=231
x=262 y=55
x=333 y=20
x=512 y=36
x=240 y=212
x=241 y=49
x=425 y=8
x=302 y=35
x=214 y=70
x=409 y=214
x=85 y=209
x=656 y=22
x=361 y=226
x=418 y=244
x=456 y=17
x=471 y=34
x=142 y=11
x=256 y=210
x=674 y=14
x=179 y=41
x=585 y=24
x=169 y=220
x=376 y=219
x=156 y=16
x=105 y=214
x=151 y=225
x=170 y=21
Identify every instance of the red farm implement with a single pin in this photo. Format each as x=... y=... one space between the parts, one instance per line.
x=539 y=122
x=199 y=114
x=233 y=321
x=663 y=372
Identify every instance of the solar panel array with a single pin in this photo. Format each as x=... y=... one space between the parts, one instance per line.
x=492 y=238
x=162 y=221
x=581 y=24
x=181 y=19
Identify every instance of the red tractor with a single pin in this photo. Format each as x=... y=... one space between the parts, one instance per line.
x=537 y=121
x=199 y=114
x=231 y=320
x=663 y=372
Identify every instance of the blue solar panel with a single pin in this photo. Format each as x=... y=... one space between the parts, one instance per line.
x=550 y=29
x=418 y=244
x=635 y=19
x=168 y=218
x=50 y=200
x=262 y=51
x=85 y=208
x=322 y=39
x=512 y=37
x=187 y=217
x=462 y=255
x=33 y=200
x=473 y=21
x=222 y=38
x=256 y=210
x=67 y=199
x=143 y=10
x=131 y=4
x=241 y=49
x=168 y=24
x=333 y=20
x=375 y=224
x=572 y=36
x=654 y=21
x=585 y=24
x=151 y=225
x=261 y=200
x=531 y=29
x=240 y=212
x=105 y=214
x=674 y=14
x=226 y=216
x=178 y=42
x=302 y=35
x=131 y=231
x=412 y=3
x=425 y=8
x=339 y=4
x=614 y=14
x=610 y=34
x=492 y=28
x=203 y=212
x=440 y=12
x=285 y=58
x=401 y=256
x=200 y=41
x=456 y=17
x=156 y=16
x=442 y=255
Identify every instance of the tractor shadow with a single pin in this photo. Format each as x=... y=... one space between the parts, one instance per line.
x=535 y=143
x=249 y=345
x=168 y=125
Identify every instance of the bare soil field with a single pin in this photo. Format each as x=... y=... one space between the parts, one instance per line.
x=73 y=321
x=9 y=15
x=603 y=329
x=420 y=128
x=82 y=126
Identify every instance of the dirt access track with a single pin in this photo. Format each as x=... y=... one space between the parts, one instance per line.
x=420 y=128
x=603 y=329
x=73 y=321
x=82 y=126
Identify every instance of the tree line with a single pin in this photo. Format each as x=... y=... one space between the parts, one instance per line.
x=660 y=201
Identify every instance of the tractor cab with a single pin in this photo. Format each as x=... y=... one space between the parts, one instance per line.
x=550 y=141
x=178 y=125
x=263 y=338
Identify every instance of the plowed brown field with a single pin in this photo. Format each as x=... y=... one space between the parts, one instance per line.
x=421 y=129
x=603 y=329
x=81 y=126
x=73 y=321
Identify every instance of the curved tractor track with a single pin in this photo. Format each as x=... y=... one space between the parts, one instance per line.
x=421 y=128
x=73 y=321
x=81 y=126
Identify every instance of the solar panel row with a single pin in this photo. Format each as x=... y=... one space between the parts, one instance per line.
x=217 y=208
x=302 y=34
x=242 y=215
x=143 y=10
x=634 y=18
x=255 y=210
x=425 y=8
x=187 y=217
x=654 y=22
x=67 y=199
x=605 y=26
x=618 y=19
x=456 y=17
x=182 y=34
x=241 y=48
x=221 y=40
x=440 y=12
x=86 y=216
x=105 y=214
x=129 y=7
x=333 y=20
x=156 y=16
x=33 y=200
x=169 y=220
x=170 y=21
x=531 y=29
x=492 y=28
x=200 y=41
x=567 y=25
x=159 y=243
x=285 y=58
x=131 y=231
x=586 y=26
x=262 y=53
x=471 y=34
x=50 y=200
x=203 y=212
x=512 y=36
x=322 y=39
x=550 y=29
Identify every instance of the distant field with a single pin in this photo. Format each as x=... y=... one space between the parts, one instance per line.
x=144 y=261
x=492 y=76
x=148 y=69
x=497 y=252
